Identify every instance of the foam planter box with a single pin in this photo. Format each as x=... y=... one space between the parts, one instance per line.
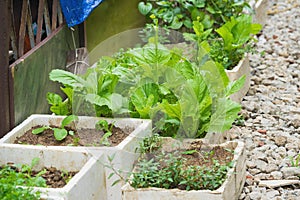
x=260 y=8
x=124 y=153
x=243 y=68
x=229 y=190
x=88 y=183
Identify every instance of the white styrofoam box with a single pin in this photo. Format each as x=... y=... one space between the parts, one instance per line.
x=243 y=68
x=88 y=183
x=125 y=152
x=229 y=190
x=260 y=8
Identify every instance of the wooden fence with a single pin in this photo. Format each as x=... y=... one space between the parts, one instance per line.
x=32 y=22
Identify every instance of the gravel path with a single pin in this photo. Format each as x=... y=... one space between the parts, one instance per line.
x=272 y=106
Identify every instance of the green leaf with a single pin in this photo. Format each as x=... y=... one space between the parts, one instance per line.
x=39 y=130
x=215 y=78
x=227 y=36
x=256 y=28
x=34 y=162
x=61 y=109
x=110 y=175
x=144 y=98
x=115 y=182
x=66 y=78
x=68 y=91
x=235 y=86
x=67 y=120
x=144 y=8
x=176 y=24
x=71 y=133
x=60 y=134
x=172 y=110
x=189 y=152
x=225 y=114
x=54 y=99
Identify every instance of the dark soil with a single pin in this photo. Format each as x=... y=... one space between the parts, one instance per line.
x=82 y=137
x=205 y=156
x=54 y=178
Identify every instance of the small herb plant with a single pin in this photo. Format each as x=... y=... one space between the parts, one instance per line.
x=170 y=169
x=107 y=129
x=59 y=133
x=12 y=176
x=150 y=144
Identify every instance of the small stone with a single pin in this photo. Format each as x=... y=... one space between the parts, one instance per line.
x=262 y=131
x=250 y=164
x=277 y=183
x=271 y=168
x=281 y=151
x=254 y=171
x=255 y=195
x=296 y=123
x=276 y=175
x=280 y=140
x=291 y=146
x=271 y=194
x=262 y=165
x=290 y=171
x=293 y=178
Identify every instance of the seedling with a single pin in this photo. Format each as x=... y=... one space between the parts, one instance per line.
x=15 y=175
x=107 y=129
x=59 y=133
x=295 y=162
x=150 y=144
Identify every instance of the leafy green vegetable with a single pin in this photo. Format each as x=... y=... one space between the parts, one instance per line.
x=59 y=133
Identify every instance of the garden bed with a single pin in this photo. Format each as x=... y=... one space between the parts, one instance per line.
x=124 y=153
x=89 y=171
x=230 y=189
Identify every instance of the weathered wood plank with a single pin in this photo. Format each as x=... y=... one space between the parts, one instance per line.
x=4 y=62
x=13 y=33
x=47 y=18
x=40 y=21
x=23 y=27
x=60 y=15
x=29 y=26
x=54 y=14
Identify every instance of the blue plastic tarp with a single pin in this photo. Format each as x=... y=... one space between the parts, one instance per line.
x=76 y=11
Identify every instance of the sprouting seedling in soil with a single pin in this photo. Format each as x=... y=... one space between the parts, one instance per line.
x=59 y=133
x=107 y=129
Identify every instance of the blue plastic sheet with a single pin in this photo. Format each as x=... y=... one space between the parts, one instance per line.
x=76 y=11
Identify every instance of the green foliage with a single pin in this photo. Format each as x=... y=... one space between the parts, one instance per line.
x=59 y=133
x=150 y=144
x=180 y=14
x=167 y=170
x=107 y=128
x=295 y=162
x=12 y=176
x=236 y=35
x=184 y=98
x=57 y=105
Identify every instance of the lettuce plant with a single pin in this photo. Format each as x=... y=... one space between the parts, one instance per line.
x=184 y=98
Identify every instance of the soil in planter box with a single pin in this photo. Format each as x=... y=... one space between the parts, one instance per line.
x=54 y=178
x=82 y=137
